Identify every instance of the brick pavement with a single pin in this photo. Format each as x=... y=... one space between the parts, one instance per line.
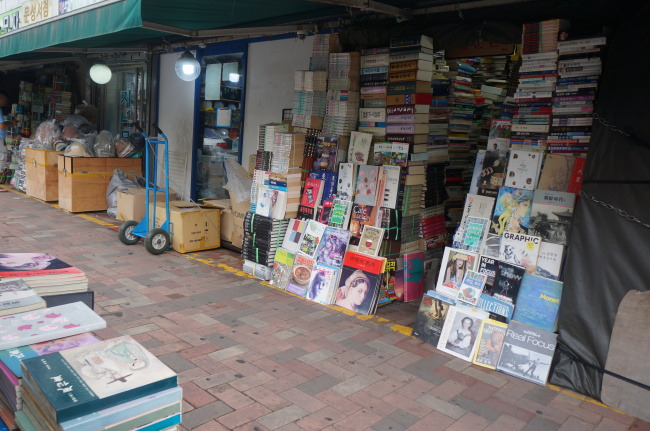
x=250 y=357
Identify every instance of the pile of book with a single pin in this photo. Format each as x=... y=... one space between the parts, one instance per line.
x=542 y=36
x=262 y=238
x=265 y=144
x=438 y=139
x=324 y=44
x=374 y=82
x=342 y=109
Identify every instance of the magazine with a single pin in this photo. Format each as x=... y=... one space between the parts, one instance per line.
x=460 y=331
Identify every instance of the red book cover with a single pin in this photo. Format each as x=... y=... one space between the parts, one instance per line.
x=325 y=211
x=360 y=282
x=575 y=183
x=312 y=192
x=413 y=276
x=33 y=265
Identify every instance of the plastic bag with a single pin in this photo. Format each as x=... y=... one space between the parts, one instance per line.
x=87 y=111
x=75 y=120
x=47 y=132
x=239 y=183
x=70 y=132
x=119 y=182
x=104 y=145
x=79 y=148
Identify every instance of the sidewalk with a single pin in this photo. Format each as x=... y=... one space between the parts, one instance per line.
x=250 y=357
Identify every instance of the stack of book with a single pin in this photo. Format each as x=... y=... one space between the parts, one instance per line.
x=342 y=109
x=542 y=36
x=374 y=79
x=438 y=139
x=262 y=237
x=579 y=68
x=324 y=44
x=308 y=109
x=265 y=144
x=111 y=384
x=16 y=297
x=310 y=80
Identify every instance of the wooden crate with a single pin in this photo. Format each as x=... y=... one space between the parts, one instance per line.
x=41 y=177
x=83 y=180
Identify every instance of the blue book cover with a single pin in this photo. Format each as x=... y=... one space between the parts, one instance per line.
x=495 y=306
x=86 y=379
x=329 y=183
x=162 y=425
x=538 y=302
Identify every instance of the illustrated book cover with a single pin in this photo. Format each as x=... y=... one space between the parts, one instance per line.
x=477 y=206
x=333 y=246
x=359 y=147
x=360 y=282
x=472 y=287
x=362 y=215
x=413 y=264
x=311 y=238
x=431 y=317
x=367 y=185
x=490 y=343
x=538 y=302
x=507 y=282
x=474 y=234
x=455 y=264
x=556 y=173
x=322 y=284
x=370 y=240
x=347 y=181
x=512 y=211
x=460 y=331
x=282 y=268
x=24 y=265
x=300 y=274
x=520 y=249
x=340 y=214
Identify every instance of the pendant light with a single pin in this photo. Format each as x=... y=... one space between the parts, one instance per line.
x=187 y=67
x=100 y=73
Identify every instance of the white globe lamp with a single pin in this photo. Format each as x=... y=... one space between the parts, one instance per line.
x=100 y=73
x=187 y=67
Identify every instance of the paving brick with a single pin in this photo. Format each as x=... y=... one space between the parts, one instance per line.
x=433 y=421
x=607 y=412
x=540 y=424
x=318 y=384
x=475 y=407
x=268 y=398
x=411 y=406
x=398 y=420
x=176 y=362
x=541 y=395
x=316 y=357
x=437 y=404
x=574 y=424
x=426 y=368
x=479 y=391
x=342 y=404
x=350 y=386
x=288 y=355
x=243 y=415
x=230 y=352
x=303 y=400
x=321 y=419
x=231 y=396
x=357 y=421
x=252 y=381
x=196 y=396
x=469 y=422
x=282 y=417
x=607 y=424
x=506 y=423
x=201 y=415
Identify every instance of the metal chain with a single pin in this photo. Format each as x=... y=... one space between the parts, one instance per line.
x=613 y=128
x=620 y=212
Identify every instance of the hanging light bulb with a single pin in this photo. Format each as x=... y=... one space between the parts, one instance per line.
x=100 y=73
x=187 y=67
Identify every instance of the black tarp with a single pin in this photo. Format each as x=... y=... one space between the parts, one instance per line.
x=609 y=250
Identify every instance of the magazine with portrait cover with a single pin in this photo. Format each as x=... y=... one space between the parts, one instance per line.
x=322 y=284
x=282 y=268
x=360 y=282
x=431 y=317
x=521 y=250
x=333 y=246
x=490 y=343
x=551 y=217
x=455 y=264
x=300 y=274
x=460 y=332
x=527 y=352
x=34 y=265
x=512 y=211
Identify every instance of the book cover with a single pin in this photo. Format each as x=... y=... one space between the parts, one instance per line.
x=340 y=214
x=493 y=172
x=391 y=186
x=23 y=265
x=549 y=260
x=476 y=174
x=326 y=154
x=16 y=296
x=575 y=184
x=413 y=276
x=359 y=147
x=387 y=292
x=96 y=376
x=520 y=249
x=474 y=233
x=48 y=324
x=370 y=240
x=527 y=353
x=477 y=206
x=367 y=185
x=512 y=211
x=330 y=180
x=523 y=169
x=360 y=281
x=471 y=287
x=282 y=268
x=322 y=283
x=499 y=135
x=311 y=238
x=293 y=235
x=312 y=193
x=332 y=247
x=455 y=264
x=507 y=282
x=538 y=302
x=488 y=266
x=491 y=245
x=361 y=216
x=12 y=357
x=325 y=212
x=551 y=217
x=490 y=343
x=300 y=274
x=347 y=181
x=460 y=331
x=556 y=173
x=431 y=317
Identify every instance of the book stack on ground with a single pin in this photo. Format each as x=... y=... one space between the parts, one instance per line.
x=374 y=81
x=17 y=297
x=112 y=384
x=579 y=68
x=438 y=138
x=44 y=273
x=286 y=169
x=324 y=44
x=342 y=109
x=262 y=238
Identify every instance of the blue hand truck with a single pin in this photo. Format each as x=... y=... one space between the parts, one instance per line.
x=156 y=239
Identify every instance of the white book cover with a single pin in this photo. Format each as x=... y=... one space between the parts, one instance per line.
x=549 y=260
x=520 y=249
x=347 y=180
x=370 y=241
x=367 y=181
x=16 y=293
x=312 y=237
x=461 y=330
x=477 y=206
x=391 y=187
x=455 y=264
x=359 y=147
x=523 y=169
x=472 y=287
x=264 y=201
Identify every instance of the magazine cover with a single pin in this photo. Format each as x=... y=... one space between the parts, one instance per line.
x=520 y=249
x=527 y=353
x=499 y=135
x=340 y=214
x=490 y=343
x=360 y=281
x=359 y=147
x=460 y=331
x=499 y=310
x=33 y=265
x=292 y=236
x=282 y=268
x=507 y=282
x=322 y=284
x=512 y=211
x=312 y=193
x=493 y=172
x=333 y=246
x=488 y=266
x=347 y=181
x=455 y=264
x=300 y=274
x=361 y=215
x=366 y=191
x=370 y=240
x=472 y=287
x=523 y=169
x=552 y=216
x=431 y=317
x=312 y=238
x=549 y=260
x=474 y=233
x=326 y=154
x=538 y=302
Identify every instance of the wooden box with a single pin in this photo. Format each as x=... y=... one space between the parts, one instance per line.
x=41 y=176
x=83 y=180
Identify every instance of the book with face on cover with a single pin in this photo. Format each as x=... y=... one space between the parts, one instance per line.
x=431 y=317
x=312 y=238
x=89 y=378
x=293 y=235
x=460 y=332
x=490 y=343
x=282 y=268
x=322 y=284
x=360 y=282
x=333 y=246
x=359 y=147
x=32 y=265
x=17 y=297
x=455 y=264
x=370 y=240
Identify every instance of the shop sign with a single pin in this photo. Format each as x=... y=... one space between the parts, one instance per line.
x=34 y=11
x=9 y=21
x=66 y=6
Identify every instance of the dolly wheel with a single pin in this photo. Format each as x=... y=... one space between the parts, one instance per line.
x=156 y=241
x=125 y=232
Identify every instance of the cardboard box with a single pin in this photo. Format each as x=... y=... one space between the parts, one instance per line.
x=41 y=176
x=194 y=227
x=131 y=203
x=227 y=217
